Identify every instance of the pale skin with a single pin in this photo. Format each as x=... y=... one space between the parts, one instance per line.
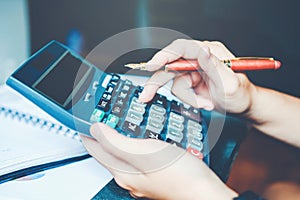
x=215 y=87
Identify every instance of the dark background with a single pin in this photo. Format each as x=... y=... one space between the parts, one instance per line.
x=266 y=28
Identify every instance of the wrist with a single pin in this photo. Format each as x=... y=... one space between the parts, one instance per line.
x=255 y=103
x=214 y=188
x=240 y=102
x=252 y=91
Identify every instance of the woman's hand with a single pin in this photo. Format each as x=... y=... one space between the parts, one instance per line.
x=214 y=85
x=152 y=168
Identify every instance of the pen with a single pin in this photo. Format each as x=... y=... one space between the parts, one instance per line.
x=236 y=64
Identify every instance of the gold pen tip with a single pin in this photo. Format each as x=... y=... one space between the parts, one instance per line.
x=140 y=66
x=128 y=65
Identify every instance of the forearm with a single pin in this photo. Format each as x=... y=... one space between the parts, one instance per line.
x=275 y=114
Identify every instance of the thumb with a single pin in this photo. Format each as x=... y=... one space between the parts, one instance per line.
x=144 y=155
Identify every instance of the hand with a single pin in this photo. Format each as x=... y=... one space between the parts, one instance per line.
x=152 y=168
x=217 y=86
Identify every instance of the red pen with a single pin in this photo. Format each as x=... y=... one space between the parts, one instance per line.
x=237 y=64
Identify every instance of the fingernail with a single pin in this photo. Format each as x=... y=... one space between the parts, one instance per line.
x=205 y=104
x=209 y=106
x=152 y=66
x=206 y=50
x=143 y=96
x=96 y=129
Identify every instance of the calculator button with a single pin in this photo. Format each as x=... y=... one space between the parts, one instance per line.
x=131 y=129
x=117 y=110
x=87 y=97
x=156 y=116
x=175 y=107
x=177 y=117
x=97 y=115
x=152 y=135
x=123 y=95
x=175 y=124
x=110 y=90
x=195 y=114
x=137 y=107
x=113 y=83
x=115 y=78
x=128 y=82
x=117 y=88
x=186 y=106
x=195 y=152
x=155 y=126
x=185 y=112
x=195 y=142
x=134 y=117
x=194 y=125
x=106 y=96
x=160 y=100
x=138 y=91
x=95 y=85
x=120 y=102
x=158 y=109
x=195 y=133
x=189 y=112
x=112 y=120
x=125 y=88
x=174 y=142
x=174 y=134
x=103 y=105
x=135 y=100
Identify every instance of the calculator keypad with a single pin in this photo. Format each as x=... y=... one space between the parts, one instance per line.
x=160 y=119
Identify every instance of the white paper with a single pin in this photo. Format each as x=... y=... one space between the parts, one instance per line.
x=23 y=145
x=77 y=181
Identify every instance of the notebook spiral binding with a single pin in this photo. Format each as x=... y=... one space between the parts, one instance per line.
x=39 y=122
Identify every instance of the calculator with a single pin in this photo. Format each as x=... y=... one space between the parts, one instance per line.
x=78 y=94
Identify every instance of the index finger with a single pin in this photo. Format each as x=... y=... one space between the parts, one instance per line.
x=180 y=48
x=157 y=80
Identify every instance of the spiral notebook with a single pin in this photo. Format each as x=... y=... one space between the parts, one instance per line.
x=31 y=140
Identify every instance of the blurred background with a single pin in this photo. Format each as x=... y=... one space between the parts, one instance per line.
x=265 y=28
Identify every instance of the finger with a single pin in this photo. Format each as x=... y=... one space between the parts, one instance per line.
x=112 y=140
x=218 y=49
x=157 y=80
x=182 y=88
x=143 y=155
x=196 y=78
x=202 y=89
x=215 y=69
x=133 y=195
x=200 y=85
x=187 y=49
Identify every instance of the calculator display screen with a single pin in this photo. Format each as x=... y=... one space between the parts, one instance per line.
x=59 y=81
